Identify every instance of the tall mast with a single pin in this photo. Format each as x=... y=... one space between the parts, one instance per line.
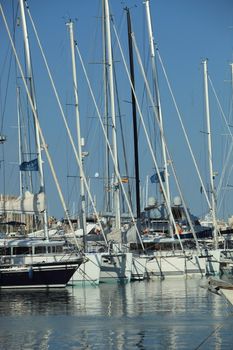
x=157 y=95
x=19 y=141
x=212 y=188
x=35 y=117
x=107 y=197
x=19 y=146
x=113 y=115
x=134 y=113
x=157 y=102
x=75 y=86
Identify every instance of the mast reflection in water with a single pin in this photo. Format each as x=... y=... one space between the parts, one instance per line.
x=172 y=314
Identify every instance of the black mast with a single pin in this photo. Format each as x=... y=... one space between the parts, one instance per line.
x=134 y=112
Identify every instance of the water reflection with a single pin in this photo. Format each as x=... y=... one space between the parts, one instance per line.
x=173 y=314
x=25 y=302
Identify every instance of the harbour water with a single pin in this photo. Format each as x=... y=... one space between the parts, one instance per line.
x=169 y=314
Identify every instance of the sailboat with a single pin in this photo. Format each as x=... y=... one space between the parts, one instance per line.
x=114 y=261
x=166 y=257
x=104 y=262
x=220 y=258
x=89 y=271
x=139 y=258
x=27 y=262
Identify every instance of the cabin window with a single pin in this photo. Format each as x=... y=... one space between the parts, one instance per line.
x=40 y=250
x=52 y=249
x=5 y=251
x=22 y=250
x=57 y=249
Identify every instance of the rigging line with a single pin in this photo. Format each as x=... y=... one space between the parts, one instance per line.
x=229 y=130
x=169 y=155
x=91 y=53
x=146 y=133
x=66 y=125
x=99 y=90
x=122 y=134
x=3 y=107
x=38 y=125
x=26 y=145
x=227 y=180
x=149 y=117
x=70 y=189
x=92 y=126
x=143 y=95
x=222 y=177
x=152 y=129
x=109 y=146
x=120 y=26
x=183 y=129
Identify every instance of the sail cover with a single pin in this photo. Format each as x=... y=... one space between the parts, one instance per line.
x=29 y=203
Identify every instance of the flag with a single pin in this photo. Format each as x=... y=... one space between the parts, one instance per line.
x=155 y=178
x=124 y=180
x=32 y=165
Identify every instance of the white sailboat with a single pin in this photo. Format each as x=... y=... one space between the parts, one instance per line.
x=90 y=269
x=29 y=263
x=115 y=263
x=110 y=264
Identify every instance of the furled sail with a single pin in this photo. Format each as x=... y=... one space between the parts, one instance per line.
x=29 y=203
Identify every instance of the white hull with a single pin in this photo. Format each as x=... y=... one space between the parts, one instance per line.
x=104 y=267
x=219 y=261
x=116 y=267
x=166 y=264
x=228 y=294
x=139 y=271
x=89 y=270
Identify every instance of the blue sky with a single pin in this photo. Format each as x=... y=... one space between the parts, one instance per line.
x=186 y=32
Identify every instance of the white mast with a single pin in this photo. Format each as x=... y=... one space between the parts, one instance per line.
x=32 y=94
x=107 y=194
x=113 y=115
x=20 y=148
x=19 y=142
x=82 y=190
x=157 y=107
x=157 y=96
x=212 y=189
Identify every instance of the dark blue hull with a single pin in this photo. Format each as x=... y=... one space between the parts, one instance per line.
x=46 y=275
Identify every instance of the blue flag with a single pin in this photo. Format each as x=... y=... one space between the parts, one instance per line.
x=155 y=178
x=32 y=165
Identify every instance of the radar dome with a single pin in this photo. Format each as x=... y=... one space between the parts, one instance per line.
x=177 y=201
x=152 y=202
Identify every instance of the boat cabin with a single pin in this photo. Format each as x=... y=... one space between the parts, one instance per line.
x=30 y=247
